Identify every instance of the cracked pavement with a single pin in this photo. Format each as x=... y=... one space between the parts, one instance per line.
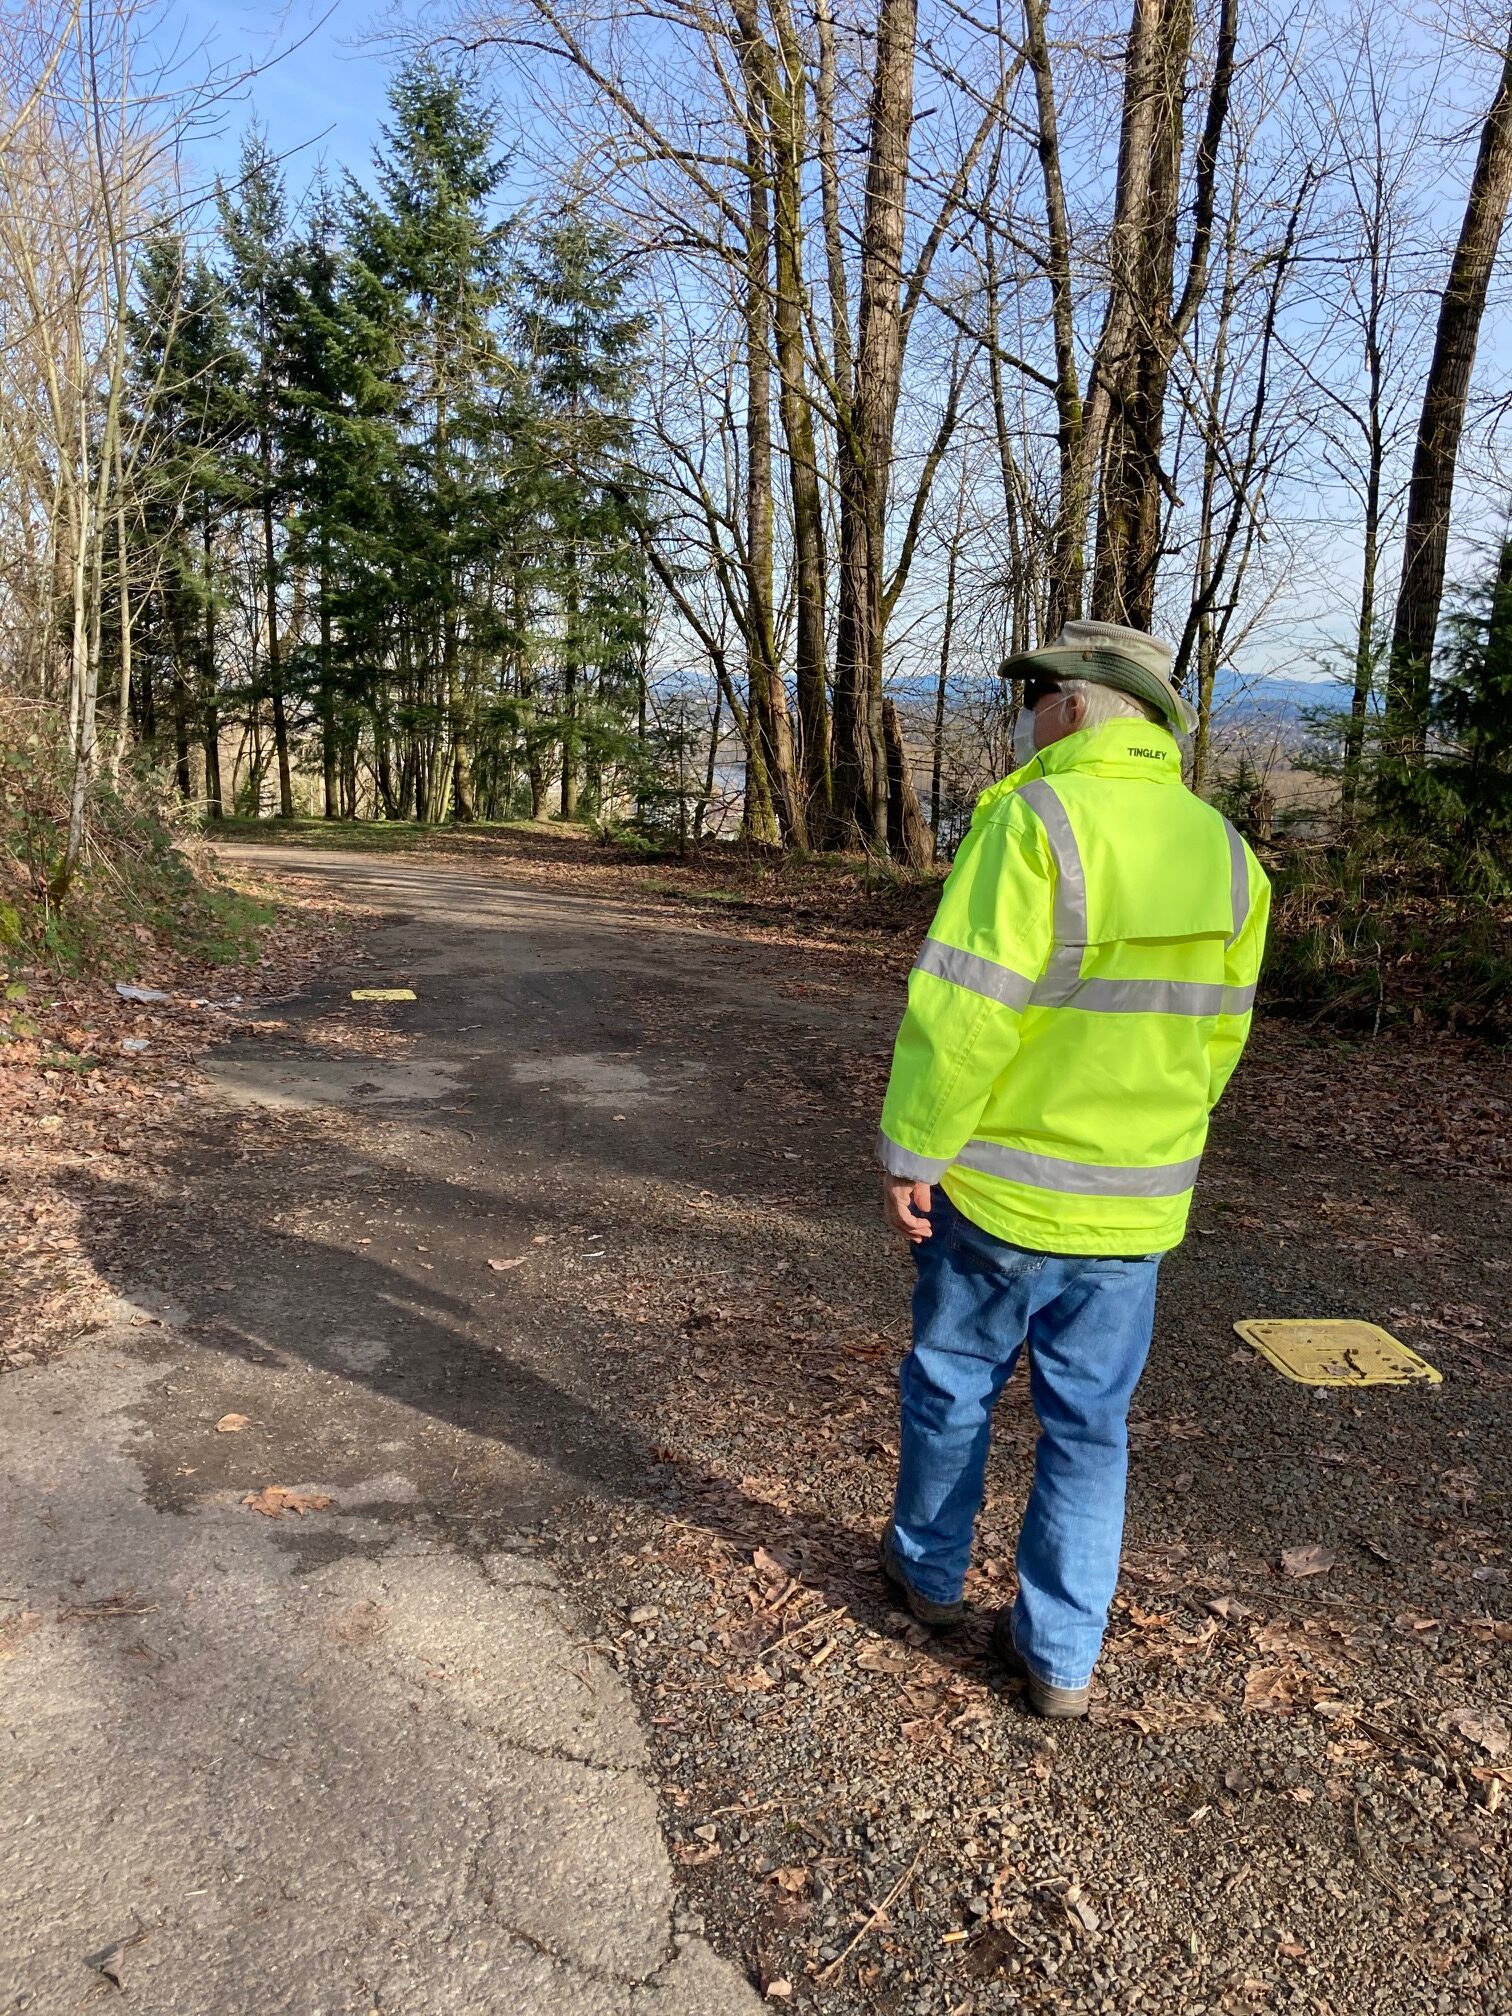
x=362 y=1760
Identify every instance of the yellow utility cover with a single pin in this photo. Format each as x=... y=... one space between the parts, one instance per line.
x=1332 y=1352
x=383 y=993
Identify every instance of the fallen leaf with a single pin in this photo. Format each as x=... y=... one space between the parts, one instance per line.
x=276 y=1499
x=1483 y=1726
x=789 y=1880
x=503 y=1266
x=882 y=1659
x=360 y=1624
x=1230 y=1608
x=769 y=1568
x=1307 y=1560
x=15 y=1629
x=1155 y=1718
x=1290 y=1637
x=779 y=1991
x=108 y=1962
x=1272 y=1690
x=232 y=1424
x=1416 y=1626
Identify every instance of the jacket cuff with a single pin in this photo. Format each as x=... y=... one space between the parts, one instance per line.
x=903 y=1161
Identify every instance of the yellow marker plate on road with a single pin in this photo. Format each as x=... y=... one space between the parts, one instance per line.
x=1333 y=1352
x=383 y=993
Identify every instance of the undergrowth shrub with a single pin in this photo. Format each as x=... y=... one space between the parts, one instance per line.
x=145 y=888
x=1392 y=929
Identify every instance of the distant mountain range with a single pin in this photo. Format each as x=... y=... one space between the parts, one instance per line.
x=1274 y=699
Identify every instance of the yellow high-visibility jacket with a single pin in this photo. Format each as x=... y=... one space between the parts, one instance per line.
x=1081 y=1000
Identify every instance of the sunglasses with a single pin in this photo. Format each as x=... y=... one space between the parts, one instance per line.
x=1036 y=690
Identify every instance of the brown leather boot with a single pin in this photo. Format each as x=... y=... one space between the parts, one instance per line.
x=938 y=1616
x=1060 y=1704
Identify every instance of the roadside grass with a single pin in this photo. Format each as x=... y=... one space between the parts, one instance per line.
x=145 y=891
x=1383 y=936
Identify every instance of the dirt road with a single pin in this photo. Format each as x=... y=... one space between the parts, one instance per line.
x=563 y=1283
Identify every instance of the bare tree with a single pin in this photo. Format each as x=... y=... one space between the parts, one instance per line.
x=1431 y=495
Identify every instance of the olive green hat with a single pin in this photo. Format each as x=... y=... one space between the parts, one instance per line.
x=1107 y=654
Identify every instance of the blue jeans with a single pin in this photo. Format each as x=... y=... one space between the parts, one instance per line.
x=1087 y=1322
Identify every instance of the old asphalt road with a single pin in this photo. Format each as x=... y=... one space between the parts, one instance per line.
x=360 y=1757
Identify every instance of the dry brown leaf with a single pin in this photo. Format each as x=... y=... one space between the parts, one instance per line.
x=276 y=1499
x=1155 y=1718
x=1319 y=1636
x=503 y=1266
x=769 y=1568
x=232 y=1424
x=361 y=1623
x=789 y=1880
x=882 y=1659
x=1273 y=1690
x=1231 y=1609
x=1307 y=1560
x=1147 y=1620
x=1483 y=1726
x=16 y=1629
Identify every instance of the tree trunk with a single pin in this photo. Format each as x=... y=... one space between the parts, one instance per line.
x=946 y=633
x=275 y=661
x=1064 y=597
x=759 y=819
x=908 y=838
x=1431 y=493
x=864 y=442
x=329 y=753
x=209 y=699
x=783 y=95
x=1125 y=431
x=464 y=797
x=1134 y=359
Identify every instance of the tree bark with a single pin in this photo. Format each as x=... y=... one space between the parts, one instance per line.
x=1431 y=492
x=864 y=443
x=1066 y=569
x=909 y=839
x=1134 y=358
x=209 y=702
x=783 y=85
x=275 y=661
x=763 y=755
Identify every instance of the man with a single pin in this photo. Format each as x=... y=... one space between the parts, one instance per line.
x=1077 y=1009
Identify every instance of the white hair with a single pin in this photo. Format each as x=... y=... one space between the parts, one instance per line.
x=1107 y=703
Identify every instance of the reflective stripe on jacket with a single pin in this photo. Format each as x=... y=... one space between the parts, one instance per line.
x=1081 y=1000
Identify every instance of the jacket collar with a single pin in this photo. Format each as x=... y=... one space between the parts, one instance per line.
x=1122 y=747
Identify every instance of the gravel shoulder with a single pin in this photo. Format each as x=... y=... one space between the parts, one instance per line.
x=578 y=1251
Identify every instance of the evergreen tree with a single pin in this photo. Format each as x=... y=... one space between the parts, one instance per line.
x=436 y=259
x=1467 y=787
x=583 y=343
x=254 y=230
x=183 y=377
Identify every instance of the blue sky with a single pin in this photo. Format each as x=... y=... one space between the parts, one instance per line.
x=321 y=95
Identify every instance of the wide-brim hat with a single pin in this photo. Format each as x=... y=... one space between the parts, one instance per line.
x=1108 y=654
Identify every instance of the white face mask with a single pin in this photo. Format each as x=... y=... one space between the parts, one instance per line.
x=1023 y=739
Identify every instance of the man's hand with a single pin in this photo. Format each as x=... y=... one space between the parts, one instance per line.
x=905 y=1206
